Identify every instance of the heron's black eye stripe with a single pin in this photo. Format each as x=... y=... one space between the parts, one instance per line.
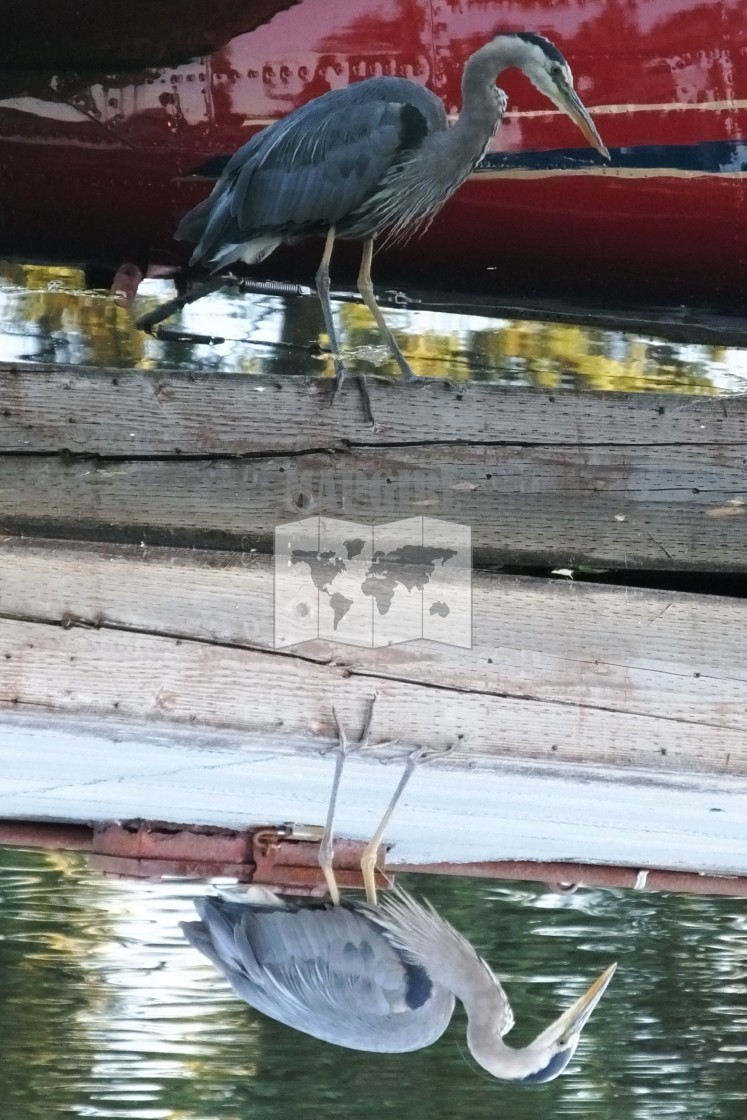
x=540 y=41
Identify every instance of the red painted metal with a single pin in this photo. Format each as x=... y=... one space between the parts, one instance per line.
x=99 y=165
x=268 y=856
x=565 y=876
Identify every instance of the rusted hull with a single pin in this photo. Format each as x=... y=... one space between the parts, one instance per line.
x=100 y=167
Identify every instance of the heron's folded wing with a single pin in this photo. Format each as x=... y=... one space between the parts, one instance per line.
x=325 y=971
x=317 y=165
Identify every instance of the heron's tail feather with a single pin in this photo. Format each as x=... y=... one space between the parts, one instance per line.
x=192 y=226
x=220 y=240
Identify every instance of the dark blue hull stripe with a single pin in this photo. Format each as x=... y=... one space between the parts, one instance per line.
x=714 y=157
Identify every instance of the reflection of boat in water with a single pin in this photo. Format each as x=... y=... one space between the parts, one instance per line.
x=99 y=164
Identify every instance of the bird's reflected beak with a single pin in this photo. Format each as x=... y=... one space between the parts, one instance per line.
x=571 y=1022
x=571 y=103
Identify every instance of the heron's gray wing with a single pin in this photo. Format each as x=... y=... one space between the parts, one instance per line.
x=327 y=971
x=314 y=167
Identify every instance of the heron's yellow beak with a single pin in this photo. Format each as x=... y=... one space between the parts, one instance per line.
x=571 y=103
x=575 y=1018
x=571 y=1022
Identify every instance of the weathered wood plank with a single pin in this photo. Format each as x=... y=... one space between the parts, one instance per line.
x=658 y=507
x=663 y=653
x=512 y=695
x=47 y=408
x=656 y=652
x=65 y=768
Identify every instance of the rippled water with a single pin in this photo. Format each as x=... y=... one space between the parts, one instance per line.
x=105 y=1011
x=46 y=315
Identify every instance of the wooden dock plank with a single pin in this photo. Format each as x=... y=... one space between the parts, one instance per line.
x=557 y=670
x=151 y=678
x=135 y=413
x=681 y=508
x=555 y=479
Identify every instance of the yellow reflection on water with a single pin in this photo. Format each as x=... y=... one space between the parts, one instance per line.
x=47 y=315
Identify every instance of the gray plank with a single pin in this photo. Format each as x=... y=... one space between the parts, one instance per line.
x=163 y=679
x=661 y=507
x=47 y=408
x=67 y=768
x=674 y=656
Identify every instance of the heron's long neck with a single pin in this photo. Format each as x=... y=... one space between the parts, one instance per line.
x=481 y=109
x=486 y=1022
x=487 y=1014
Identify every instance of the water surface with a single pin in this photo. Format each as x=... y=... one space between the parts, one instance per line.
x=105 y=1011
x=47 y=315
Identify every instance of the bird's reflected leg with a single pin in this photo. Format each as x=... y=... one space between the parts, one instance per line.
x=323 y=290
x=344 y=748
x=371 y=850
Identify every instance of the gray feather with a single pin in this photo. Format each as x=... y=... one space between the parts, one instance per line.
x=315 y=168
x=326 y=970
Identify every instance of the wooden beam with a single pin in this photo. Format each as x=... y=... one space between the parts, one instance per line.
x=666 y=508
x=139 y=413
x=550 y=479
x=62 y=768
x=557 y=671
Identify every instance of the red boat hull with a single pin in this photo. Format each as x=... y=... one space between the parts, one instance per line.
x=100 y=167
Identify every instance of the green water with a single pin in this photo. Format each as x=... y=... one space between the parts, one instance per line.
x=105 y=1011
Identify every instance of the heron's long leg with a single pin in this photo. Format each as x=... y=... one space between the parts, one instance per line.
x=365 y=287
x=344 y=748
x=323 y=289
x=368 y=859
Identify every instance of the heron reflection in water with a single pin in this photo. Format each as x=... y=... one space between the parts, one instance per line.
x=375 y=976
x=375 y=157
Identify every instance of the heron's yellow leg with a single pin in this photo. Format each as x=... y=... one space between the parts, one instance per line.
x=323 y=289
x=368 y=859
x=365 y=287
x=344 y=748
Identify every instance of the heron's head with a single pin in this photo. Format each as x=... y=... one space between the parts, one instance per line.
x=552 y=1050
x=549 y=72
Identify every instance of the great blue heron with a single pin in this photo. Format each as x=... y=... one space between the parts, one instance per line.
x=376 y=977
x=377 y=156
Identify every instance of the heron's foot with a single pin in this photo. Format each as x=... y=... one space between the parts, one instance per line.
x=423 y=755
x=346 y=746
x=342 y=374
x=419 y=756
x=442 y=382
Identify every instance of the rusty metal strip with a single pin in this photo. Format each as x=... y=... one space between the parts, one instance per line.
x=564 y=875
x=43 y=834
x=269 y=855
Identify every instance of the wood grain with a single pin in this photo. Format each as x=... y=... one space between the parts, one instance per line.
x=682 y=508
x=135 y=413
x=557 y=671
